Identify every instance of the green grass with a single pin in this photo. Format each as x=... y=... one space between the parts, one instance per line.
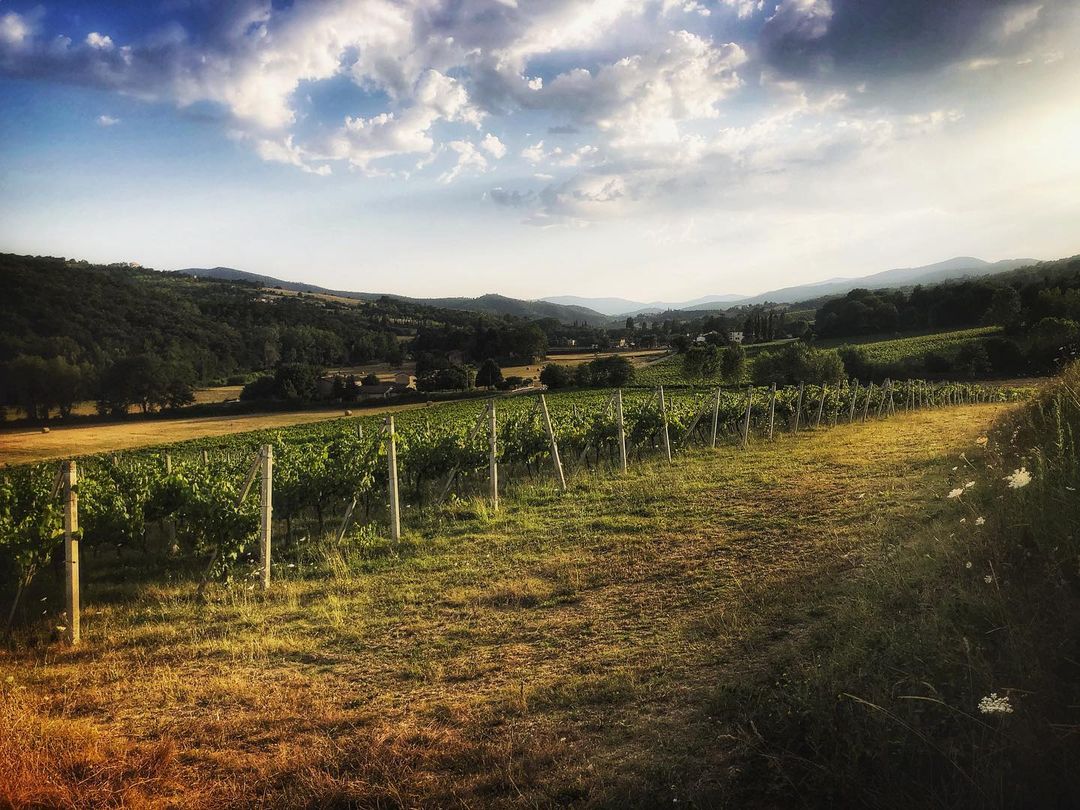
x=668 y=371
x=687 y=632
x=898 y=349
x=878 y=351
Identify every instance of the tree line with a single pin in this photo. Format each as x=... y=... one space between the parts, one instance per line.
x=128 y=337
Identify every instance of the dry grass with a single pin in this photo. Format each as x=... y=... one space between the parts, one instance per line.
x=203 y=396
x=563 y=651
x=24 y=445
x=639 y=357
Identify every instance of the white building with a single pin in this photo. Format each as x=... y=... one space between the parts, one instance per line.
x=736 y=337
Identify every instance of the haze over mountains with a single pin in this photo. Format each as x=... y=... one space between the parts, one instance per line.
x=599 y=311
x=959 y=267
x=624 y=306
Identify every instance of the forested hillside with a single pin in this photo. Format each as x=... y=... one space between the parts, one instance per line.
x=491 y=304
x=1020 y=297
x=124 y=335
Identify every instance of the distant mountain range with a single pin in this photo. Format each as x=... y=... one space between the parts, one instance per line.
x=491 y=303
x=602 y=311
x=950 y=269
x=959 y=267
x=624 y=306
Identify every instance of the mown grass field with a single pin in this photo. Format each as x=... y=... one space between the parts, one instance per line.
x=25 y=445
x=606 y=647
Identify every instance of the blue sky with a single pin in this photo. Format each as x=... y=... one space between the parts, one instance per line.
x=643 y=148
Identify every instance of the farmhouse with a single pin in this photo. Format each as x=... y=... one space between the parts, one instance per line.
x=381 y=391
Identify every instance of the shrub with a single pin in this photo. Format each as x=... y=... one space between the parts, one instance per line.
x=555 y=376
x=261 y=388
x=798 y=362
x=449 y=378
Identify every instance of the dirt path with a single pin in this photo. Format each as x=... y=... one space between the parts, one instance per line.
x=563 y=650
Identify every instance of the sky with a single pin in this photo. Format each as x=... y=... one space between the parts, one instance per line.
x=649 y=149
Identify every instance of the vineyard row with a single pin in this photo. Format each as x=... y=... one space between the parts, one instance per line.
x=196 y=503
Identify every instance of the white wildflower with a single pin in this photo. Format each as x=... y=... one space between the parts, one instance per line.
x=956 y=493
x=979 y=521
x=988 y=579
x=967 y=564
x=969 y=485
x=954 y=469
x=1019 y=478
x=992 y=704
x=963 y=520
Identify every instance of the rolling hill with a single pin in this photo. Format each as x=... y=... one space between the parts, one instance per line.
x=955 y=268
x=609 y=310
x=491 y=303
x=616 y=307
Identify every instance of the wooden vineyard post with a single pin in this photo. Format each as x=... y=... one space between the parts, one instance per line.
x=554 y=444
x=266 y=510
x=493 y=455
x=622 y=429
x=772 y=409
x=663 y=417
x=345 y=521
x=820 y=407
x=71 y=553
x=884 y=390
x=391 y=460
x=866 y=404
x=746 y=419
x=854 y=397
x=169 y=524
x=715 y=417
x=798 y=408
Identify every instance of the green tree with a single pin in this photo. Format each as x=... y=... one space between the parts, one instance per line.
x=489 y=374
x=613 y=372
x=297 y=381
x=700 y=362
x=1005 y=309
x=733 y=363
x=798 y=362
x=448 y=378
x=555 y=376
x=261 y=388
x=27 y=384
